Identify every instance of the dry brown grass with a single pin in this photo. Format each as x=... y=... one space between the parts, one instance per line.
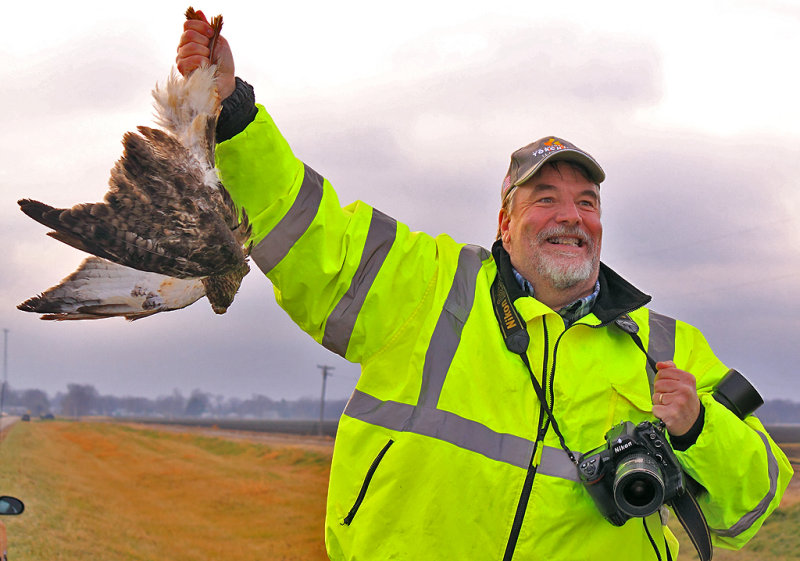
x=114 y=492
x=105 y=491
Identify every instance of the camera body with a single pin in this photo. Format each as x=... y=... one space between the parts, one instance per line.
x=633 y=473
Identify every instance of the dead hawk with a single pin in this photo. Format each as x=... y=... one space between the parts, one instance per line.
x=167 y=231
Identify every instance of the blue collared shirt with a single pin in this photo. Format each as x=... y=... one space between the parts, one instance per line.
x=571 y=312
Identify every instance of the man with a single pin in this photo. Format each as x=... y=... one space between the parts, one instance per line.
x=484 y=374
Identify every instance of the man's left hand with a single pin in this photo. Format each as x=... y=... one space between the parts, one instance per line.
x=675 y=398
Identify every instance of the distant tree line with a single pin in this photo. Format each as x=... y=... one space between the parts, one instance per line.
x=81 y=400
x=777 y=411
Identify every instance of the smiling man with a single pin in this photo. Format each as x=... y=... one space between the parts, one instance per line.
x=485 y=374
x=550 y=220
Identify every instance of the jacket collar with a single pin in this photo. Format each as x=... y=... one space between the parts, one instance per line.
x=617 y=296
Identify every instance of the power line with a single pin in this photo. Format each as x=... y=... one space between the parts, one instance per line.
x=710 y=239
x=717 y=289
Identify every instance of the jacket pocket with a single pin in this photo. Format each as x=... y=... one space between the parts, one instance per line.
x=631 y=401
x=365 y=485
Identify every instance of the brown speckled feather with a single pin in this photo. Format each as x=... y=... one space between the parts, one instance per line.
x=158 y=215
x=165 y=211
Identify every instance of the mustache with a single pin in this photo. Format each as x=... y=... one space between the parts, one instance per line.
x=571 y=231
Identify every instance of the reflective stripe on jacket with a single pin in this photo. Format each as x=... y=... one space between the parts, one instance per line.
x=436 y=443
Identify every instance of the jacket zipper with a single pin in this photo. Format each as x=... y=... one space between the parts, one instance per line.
x=367 y=478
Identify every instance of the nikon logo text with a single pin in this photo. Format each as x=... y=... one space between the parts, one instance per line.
x=508 y=318
x=622 y=447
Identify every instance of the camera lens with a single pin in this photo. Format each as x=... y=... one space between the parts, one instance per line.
x=638 y=485
x=639 y=493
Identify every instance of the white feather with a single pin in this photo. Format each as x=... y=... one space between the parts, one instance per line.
x=183 y=104
x=100 y=288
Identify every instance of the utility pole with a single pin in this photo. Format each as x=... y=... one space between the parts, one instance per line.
x=5 y=367
x=325 y=375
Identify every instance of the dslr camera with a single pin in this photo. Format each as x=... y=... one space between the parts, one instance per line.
x=636 y=471
x=633 y=473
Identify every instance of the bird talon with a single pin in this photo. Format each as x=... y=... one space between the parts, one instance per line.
x=216 y=25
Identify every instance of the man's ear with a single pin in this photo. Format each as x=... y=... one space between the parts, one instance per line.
x=503 y=220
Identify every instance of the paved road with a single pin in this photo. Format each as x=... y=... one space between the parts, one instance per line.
x=7 y=422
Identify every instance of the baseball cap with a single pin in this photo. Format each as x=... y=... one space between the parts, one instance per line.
x=529 y=159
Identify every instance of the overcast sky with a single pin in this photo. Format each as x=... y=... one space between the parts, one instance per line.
x=415 y=107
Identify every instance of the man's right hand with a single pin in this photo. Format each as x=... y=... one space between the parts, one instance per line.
x=193 y=51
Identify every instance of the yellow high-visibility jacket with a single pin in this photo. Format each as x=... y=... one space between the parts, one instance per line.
x=434 y=456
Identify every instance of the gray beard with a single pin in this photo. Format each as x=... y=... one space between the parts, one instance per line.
x=565 y=275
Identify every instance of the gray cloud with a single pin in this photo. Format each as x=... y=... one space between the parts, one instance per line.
x=103 y=71
x=705 y=223
x=472 y=115
x=529 y=68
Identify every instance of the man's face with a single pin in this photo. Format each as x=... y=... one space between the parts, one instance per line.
x=553 y=231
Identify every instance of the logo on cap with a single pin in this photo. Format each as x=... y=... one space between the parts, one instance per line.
x=551 y=145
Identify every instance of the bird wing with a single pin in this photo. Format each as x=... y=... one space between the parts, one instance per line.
x=165 y=213
x=160 y=214
x=100 y=289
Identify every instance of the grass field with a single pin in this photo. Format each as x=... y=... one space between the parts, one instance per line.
x=102 y=491
x=111 y=492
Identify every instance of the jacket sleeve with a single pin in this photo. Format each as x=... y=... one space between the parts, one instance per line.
x=328 y=263
x=743 y=471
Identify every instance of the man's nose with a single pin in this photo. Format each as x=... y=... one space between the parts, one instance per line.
x=568 y=213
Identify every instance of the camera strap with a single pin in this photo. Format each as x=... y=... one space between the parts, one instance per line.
x=685 y=505
x=515 y=335
x=694 y=522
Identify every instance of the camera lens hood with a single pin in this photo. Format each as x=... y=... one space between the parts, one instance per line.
x=736 y=393
x=638 y=486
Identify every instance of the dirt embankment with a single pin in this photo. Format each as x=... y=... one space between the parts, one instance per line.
x=318 y=444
